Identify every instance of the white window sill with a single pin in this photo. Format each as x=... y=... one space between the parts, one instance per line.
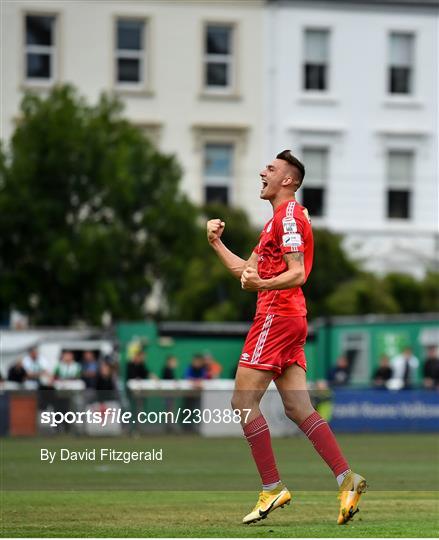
x=38 y=84
x=226 y=95
x=129 y=90
x=399 y=223
x=402 y=102
x=320 y=98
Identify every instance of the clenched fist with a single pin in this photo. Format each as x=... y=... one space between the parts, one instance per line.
x=215 y=228
x=250 y=280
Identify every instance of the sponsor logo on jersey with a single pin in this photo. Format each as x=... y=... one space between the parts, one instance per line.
x=245 y=356
x=289 y=225
x=292 y=240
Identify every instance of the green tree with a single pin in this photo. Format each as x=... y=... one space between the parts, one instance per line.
x=211 y=293
x=406 y=291
x=364 y=294
x=429 y=296
x=331 y=269
x=90 y=213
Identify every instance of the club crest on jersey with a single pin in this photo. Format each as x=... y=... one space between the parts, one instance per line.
x=289 y=224
x=292 y=240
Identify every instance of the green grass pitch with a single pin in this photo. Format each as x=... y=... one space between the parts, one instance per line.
x=203 y=488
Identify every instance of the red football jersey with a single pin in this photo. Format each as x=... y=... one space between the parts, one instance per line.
x=289 y=230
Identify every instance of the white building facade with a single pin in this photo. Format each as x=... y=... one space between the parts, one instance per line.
x=350 y=86
x=353 y=90
x=187 y=72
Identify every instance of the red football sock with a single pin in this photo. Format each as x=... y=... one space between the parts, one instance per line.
x=258 y=437
x=323 y=440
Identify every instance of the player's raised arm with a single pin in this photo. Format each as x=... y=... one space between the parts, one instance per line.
x=232 y=262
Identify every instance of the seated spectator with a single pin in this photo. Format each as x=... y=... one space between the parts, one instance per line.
x=196 y=370
x=404 y=367
x=136 y=368
x=169 y=374
x=213 y=368
x=111 y=360
x=105 y=385
x=39 y=374
x=169 y=369
x=17 y=373
x=339 y=375
x=431 y=368
x=67 y=369
x=89 y=369
x=383 y=373
x=33 y=365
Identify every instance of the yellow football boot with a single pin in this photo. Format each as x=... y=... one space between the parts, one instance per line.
x=267 y=502
x=350 y=491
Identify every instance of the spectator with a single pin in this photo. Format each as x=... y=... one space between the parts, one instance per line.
x=169 y=369
x=67 y=369
x=33 y=365
x=105 y=382
x=89 y=369
x=195 y=372
x=17 y=373
x=111 y=360
x=404 y=368
x=431 y=368
x=169 y=374
x=383 y=373
x=196 y=369
x=136 y=368
x=339 y=375
x=213 y=368
x=38 y=374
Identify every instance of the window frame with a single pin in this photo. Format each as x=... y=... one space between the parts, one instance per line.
x=51 y=50
x=327 y=73
x=389 y=66
x=399 y=188
x=321 y=183
x=142 y=55
x=230 y=181
x=219 y=133
x=230 y=59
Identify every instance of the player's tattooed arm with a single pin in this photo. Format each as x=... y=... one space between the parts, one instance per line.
x=295 y=256
x=294 y=275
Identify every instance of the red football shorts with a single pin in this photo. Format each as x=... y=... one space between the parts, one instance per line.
x=274 y=343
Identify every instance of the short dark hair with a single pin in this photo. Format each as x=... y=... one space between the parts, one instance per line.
x=287 y=155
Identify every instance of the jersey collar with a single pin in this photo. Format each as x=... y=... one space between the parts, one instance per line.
x=284 y=205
